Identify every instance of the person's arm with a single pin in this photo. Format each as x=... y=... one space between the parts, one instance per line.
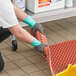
x=21 y=34
x=21 y=15
x=24 y=36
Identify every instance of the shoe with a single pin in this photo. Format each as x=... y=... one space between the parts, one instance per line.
x=40 y=48
x=1 y=63
x=37 y=27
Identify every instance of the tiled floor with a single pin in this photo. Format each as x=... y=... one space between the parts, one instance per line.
x=26 y=61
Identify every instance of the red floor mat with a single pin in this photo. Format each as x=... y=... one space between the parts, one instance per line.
x=59 y=55
x=62 y=54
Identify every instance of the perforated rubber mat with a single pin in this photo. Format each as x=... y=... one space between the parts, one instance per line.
x=59 y=55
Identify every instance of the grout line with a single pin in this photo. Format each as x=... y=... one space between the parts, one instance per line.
x=6 y=73
x=63 y=27
x=17 y=66
x=33 y=64
x=20 y=67
x=56 y=33
x=70 y=22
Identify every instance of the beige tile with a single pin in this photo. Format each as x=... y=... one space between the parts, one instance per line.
x=7 y=40
x=22 y=62
x=71 y=19
x=48 y=72
x=27 y=53
x=46 y=23
x=24 y=75
x=14 y=57
x=53 y=36
x=72 y=29
x=3 y=45
x=38 y=73
x=69 y=27
x=9 y=66
x=6 y=60
x=23 y=48
x=30 y=46
x=35 y=59
x=74 y=23
x=36 y=52
x=42 y=65
x=3 y=74
x=30 y=68
x=66 y=34
x=7 y=51
x=15 y=72
x=60 y=21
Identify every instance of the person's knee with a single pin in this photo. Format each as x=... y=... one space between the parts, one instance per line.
x=1 y=63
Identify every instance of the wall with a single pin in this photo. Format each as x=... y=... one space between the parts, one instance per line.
x=75 y=3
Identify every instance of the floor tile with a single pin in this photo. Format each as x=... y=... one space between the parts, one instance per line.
x=22 y=62
x=15 y=72
x=3 y=74
x=30 y=46
x=74 y=23
x=24 y=75
x=7 y=40
x=65 y=33
x=38 y=73
x=3 y=45
x=48 y=72
x=27 y=53
x=61 y=21
x=6 y=60
x=30 y=68
x=23 y=48
x=35 y=59
x=7 y=51
x=42 y=65
x=54 y=36
x=71 y=19
x=15 y=57
x=9 y=66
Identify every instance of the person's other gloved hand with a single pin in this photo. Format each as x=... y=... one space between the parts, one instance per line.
x=40 y=48
x=37 y=27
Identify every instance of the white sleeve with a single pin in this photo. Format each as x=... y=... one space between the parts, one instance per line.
x=7 y=14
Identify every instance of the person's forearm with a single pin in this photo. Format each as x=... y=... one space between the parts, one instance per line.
x=21 y=15
x=21 y=34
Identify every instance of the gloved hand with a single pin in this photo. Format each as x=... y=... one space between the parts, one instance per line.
x=40 y=48
x=37 y=27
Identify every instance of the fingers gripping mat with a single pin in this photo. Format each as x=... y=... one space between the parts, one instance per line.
x=42 y=38
x=59 y=55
